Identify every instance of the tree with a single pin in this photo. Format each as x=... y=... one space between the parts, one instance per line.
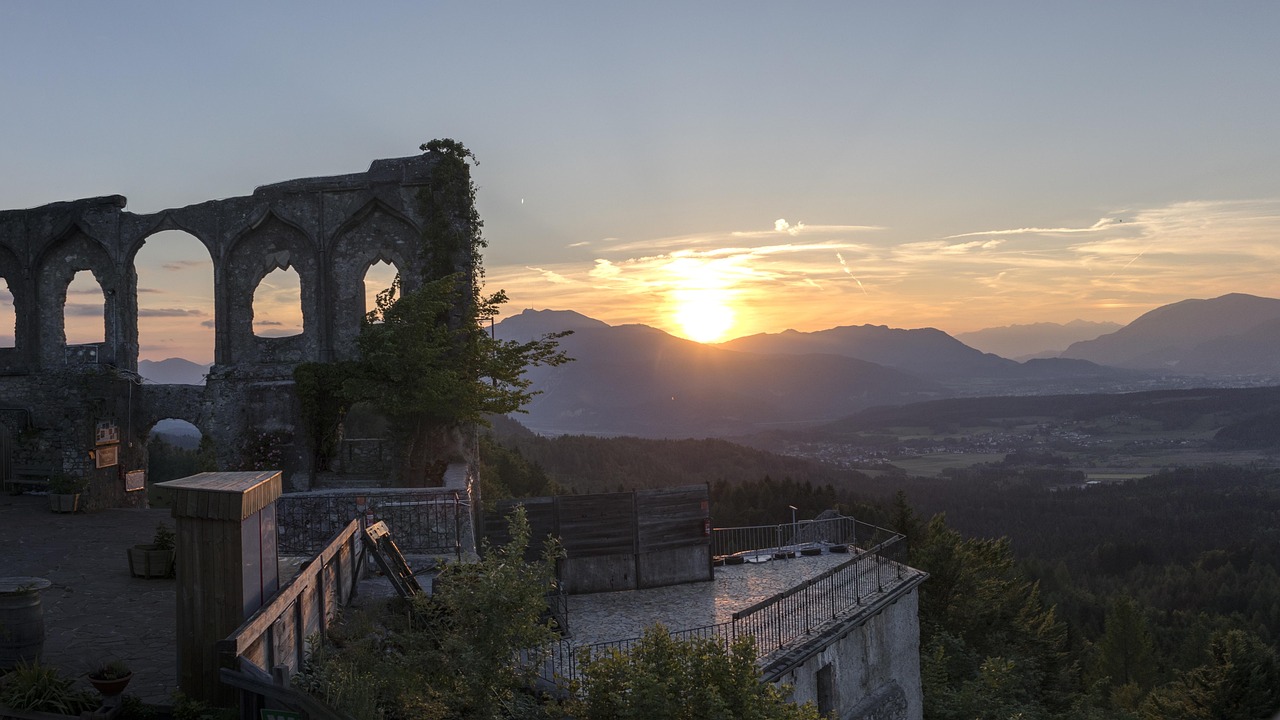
x=456 y=653
x=430 y=376
x=427 y=361
x=1240 y=681
x=661 y=677
x=1126 y=652
x=989 y=647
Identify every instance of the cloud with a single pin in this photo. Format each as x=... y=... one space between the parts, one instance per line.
x=782 y=225
x=185 y=264
x=551 y=276
x=85 y=291
x=264 y=323
x=584 y=243
x=1129 y=260
x=207 y=324
x=1102 y=224
x=169 y=312
x=82 y=310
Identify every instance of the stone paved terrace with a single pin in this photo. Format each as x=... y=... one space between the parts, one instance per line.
x=94 y=610
x=610 y=616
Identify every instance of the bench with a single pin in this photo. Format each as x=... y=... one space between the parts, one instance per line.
x=27 y=477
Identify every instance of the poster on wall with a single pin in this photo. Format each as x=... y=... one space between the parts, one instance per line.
x=107 y=456
x=135 y=480
x=108 y=433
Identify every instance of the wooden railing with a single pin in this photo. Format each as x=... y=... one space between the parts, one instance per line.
x=276 y=636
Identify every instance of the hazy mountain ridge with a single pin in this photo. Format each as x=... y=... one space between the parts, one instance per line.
x=173 y=371
x=634 y=379
x=927 y=352
x=1035 y=340
x=1232 y=334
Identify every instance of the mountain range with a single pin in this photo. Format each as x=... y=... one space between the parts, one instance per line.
x=1234 y=334
x=637 y=380
x=173 y=371
x=1037 y=340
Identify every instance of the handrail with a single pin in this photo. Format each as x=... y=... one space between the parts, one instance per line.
x=856 y=583
x=258 y=623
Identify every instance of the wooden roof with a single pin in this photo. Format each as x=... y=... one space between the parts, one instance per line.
x=224 y=495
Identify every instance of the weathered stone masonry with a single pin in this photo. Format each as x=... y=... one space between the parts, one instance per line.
x=329 y=229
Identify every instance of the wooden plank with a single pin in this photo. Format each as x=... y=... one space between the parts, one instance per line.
x=257 y=624
x=299 y=701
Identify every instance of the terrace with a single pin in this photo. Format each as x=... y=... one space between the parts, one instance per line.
x=785 y=585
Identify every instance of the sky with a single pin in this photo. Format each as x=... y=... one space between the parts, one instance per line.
x=711 y=169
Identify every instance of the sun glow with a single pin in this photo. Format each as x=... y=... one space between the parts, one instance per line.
x=701 y=297
x=704 y=315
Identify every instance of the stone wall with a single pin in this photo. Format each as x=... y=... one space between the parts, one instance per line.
x=866 y=668
x=328 y=229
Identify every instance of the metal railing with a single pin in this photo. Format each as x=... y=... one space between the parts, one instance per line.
x=424 y=520
x=791 y=614
x=769 y=540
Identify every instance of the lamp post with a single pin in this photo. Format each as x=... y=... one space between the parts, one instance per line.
x=793 y=524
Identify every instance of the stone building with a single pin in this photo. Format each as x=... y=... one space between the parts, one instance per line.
x=83 y=410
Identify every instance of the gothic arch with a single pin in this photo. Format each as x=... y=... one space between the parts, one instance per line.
x=70 y=253
x=376 y=233
x=269 y=243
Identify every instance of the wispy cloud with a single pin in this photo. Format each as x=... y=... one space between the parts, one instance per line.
x=1100 y=225
x=187 y=264
x=169 y=312
x=784 y=276
x=82 y=310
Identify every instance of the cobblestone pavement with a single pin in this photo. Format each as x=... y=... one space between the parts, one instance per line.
x=94 y=610
x=602 y=617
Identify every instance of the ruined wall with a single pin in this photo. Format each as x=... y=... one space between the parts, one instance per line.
x=328 y=229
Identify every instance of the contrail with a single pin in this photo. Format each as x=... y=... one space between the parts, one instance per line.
x=1132 y=261
x=845 y=265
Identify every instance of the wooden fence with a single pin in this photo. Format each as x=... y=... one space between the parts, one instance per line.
x=275 y=637
x=618 y=541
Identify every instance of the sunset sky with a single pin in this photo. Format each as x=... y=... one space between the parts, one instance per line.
x=711 y=169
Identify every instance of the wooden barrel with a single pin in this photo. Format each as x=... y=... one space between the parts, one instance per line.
x=21 y=620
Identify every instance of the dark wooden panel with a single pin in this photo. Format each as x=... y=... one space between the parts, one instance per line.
x=672 y=518
x=597 y=525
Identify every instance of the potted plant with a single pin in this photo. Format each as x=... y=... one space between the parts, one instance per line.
x=65 y=491
x=31 y=688
x=154 y=560
x=110 y=678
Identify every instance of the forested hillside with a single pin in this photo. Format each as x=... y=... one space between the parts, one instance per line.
x=1148 y=598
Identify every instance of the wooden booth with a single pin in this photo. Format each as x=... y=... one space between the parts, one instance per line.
x=227 y=566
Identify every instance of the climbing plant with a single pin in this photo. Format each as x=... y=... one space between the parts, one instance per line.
x=427 y=361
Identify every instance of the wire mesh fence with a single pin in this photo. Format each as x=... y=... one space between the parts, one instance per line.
x=423 y=520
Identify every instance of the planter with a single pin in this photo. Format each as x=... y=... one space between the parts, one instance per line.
x=60 y=503
x=22 y=620
x=147 y=561
x=112 y=687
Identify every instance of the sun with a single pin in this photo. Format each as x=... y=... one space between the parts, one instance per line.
x=704 y=315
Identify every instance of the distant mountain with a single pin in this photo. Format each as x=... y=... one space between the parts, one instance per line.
x=925 y=352
x=1021 y=342
x=173 y=371
x=637 y=380
x=1235 y=334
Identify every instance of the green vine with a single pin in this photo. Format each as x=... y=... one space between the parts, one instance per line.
x=323 y=401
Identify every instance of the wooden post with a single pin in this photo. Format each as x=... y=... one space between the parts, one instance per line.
x=227 y=567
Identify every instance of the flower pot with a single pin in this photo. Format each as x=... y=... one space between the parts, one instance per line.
x=147 y=561
x=110 y=688
x=64 y=503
